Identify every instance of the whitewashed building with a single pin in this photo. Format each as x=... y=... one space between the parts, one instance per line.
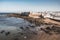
x=52 y=15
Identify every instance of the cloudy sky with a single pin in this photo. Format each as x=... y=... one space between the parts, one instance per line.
x=29 y=5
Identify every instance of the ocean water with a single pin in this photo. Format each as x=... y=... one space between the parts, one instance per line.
x=12 y=23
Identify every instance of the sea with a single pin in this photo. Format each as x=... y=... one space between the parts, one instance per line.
x=11 y=23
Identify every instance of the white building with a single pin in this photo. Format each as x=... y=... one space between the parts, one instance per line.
x=52 y=15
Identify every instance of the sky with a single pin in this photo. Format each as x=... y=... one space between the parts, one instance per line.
x=29 y=5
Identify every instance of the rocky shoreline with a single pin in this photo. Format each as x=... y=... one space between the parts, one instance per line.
x=43 y=29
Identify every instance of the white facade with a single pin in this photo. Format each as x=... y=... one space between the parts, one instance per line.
x=52 y=15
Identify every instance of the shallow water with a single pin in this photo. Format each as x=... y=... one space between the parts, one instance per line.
x=6 y=22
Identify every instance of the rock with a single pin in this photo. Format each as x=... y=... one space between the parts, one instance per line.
x=2 y=31
x=7 y=33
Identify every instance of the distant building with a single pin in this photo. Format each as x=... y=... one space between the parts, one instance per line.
x=52 y=15
x=55 y=16
x=25 y=13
